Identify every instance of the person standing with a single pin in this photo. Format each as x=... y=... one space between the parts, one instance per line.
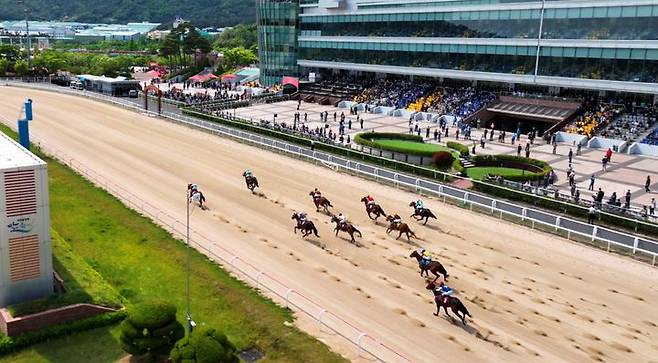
x=436 y=134
x=554 y=148
x=627 y=200
x=427 y=133
x=518 y=150
x=312 y=145
x=527 y=150
x=591 y=182
x=591 y=214
x=604 y=164
x=652 y=207
x=647 y=184
x=349 y=123
x=579 y=149
x=570 y=155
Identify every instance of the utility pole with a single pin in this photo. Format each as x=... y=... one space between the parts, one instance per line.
x=27 y=34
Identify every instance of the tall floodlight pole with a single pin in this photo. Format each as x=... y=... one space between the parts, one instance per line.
x=190 y=323
x=27 y=34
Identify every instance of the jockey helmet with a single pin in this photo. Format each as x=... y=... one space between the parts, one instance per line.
x=441 y=283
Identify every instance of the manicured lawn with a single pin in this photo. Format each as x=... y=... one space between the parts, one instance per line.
x=479 y=173
x=97 y=345
x=143 y=262
x=410 y=145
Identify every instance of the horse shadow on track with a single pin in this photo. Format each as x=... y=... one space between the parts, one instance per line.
x=475 y=332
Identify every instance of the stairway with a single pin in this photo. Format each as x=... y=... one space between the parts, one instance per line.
x=466 y=162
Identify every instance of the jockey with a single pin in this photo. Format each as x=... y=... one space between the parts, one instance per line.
x=426 y=258
x=316 y=194
x=370 y=200
x=445 y=291
x=342 y=219
x=419 y=205
x=193 y=188
x=396 y=219
x=247 y=173
x=302 y=218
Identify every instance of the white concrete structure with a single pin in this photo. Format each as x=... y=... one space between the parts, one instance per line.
x=26 y=268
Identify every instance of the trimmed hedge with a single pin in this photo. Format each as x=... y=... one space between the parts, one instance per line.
x=505 y=160
x=204 y=346
x=12 y=344
x=461 y=148
x=151 y=327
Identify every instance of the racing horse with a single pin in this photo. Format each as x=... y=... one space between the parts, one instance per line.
x=448 y=302
x=320 y=202
x=347 y=227
x=251 y=181
x=434 y=267
x=373 y=208
x=196 y=196
x=307 y=227
x=402 y=227
x=419 y=214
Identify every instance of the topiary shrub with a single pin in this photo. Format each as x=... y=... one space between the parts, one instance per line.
x=204 y=346
x=150 y=328
x=442 y=159
x=463 y=149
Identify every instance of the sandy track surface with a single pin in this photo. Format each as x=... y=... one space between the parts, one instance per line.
x=534 y=297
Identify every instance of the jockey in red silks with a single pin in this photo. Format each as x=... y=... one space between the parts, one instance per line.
x=370 y=199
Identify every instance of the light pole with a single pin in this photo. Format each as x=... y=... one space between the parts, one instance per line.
x=190 y=323
x=27 y=34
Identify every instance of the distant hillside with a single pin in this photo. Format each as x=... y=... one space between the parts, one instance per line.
x=200 y=12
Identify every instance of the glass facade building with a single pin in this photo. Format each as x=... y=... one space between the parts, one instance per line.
x=598 y=45
x=278 y=27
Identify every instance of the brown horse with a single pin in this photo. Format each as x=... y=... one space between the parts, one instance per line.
x=373 y=209
x=402 y=227
x=448 y=302
x=419 y=214
x=434 y=267
x=307 y=227
x=321 y=202
x=252 y=182
x=347 y=227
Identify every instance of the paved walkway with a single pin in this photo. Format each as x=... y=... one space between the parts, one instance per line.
x=624 y=172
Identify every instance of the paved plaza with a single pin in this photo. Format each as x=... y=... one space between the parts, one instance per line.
x=624 y=172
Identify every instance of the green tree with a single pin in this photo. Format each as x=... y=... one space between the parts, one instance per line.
x=9 y=52
x=243 y=35
x=4 y=67
x=151 y=328
x=21 y=68
x=239 y=57
x=50 y=60
x=204 y=346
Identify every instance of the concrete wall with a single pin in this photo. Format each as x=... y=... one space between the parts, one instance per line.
x=562 y=136
x=643 y=149
x=603 y=143
x=11 y=326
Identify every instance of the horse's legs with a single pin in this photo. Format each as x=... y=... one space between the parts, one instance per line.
x=399 y=235
x=426 y=219
x=438 y=307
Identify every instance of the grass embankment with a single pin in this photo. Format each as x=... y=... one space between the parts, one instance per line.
x=480 y=173
x=143 y=262
x=83 y=283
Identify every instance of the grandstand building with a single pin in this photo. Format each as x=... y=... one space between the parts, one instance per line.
x=598 y=45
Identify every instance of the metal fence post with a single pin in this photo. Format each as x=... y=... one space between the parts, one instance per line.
x=594 y=232
x=493 y=206
x=635 y=243
x=557 y=223
x=524 y=213
x=288 y=292
x=358 y=342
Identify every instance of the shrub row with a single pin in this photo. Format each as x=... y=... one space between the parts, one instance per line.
x=369 y=139
x=461 y=148
x=12 y=344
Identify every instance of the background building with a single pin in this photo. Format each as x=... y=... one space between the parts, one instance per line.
x=596 y=45
x=278 y=27
x=26 y=268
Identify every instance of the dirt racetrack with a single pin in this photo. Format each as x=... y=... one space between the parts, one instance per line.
x=534 y=297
